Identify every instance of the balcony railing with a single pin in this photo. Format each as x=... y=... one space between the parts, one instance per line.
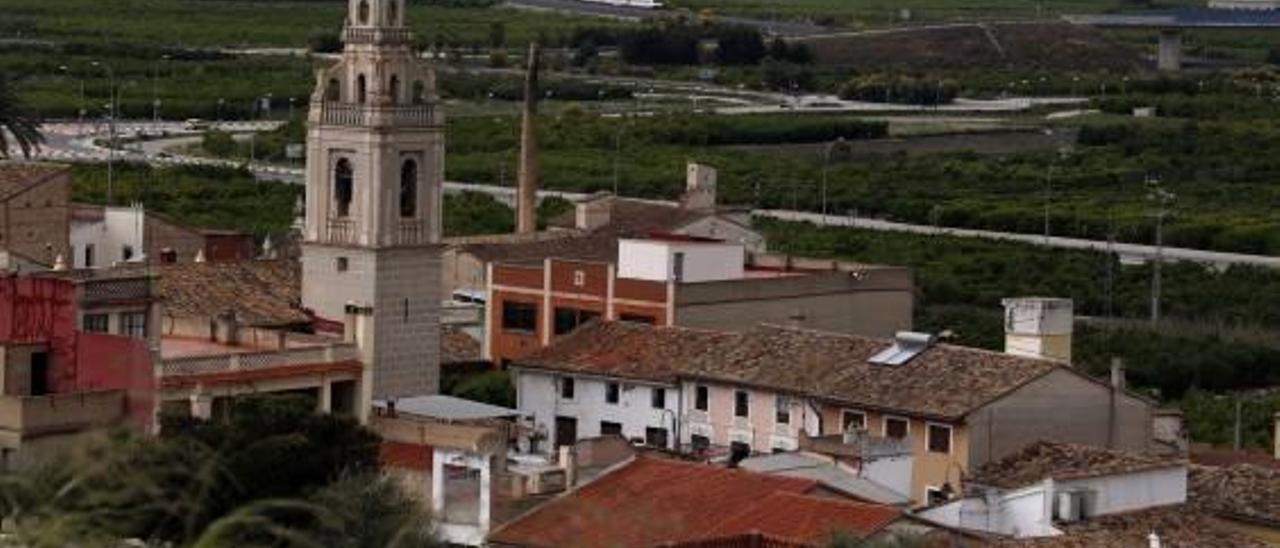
x=117 y=289
x=334 y=113
x=378 y=36
x=341 y=231
x=61 y=412
x=413 y=232
x=250 y=361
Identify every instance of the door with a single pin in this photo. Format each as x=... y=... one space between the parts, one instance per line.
x=39 y=373
x=566 y=431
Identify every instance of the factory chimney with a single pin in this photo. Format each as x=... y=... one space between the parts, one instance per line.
x=527 y=191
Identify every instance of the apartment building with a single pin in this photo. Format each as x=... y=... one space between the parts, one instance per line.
x=675 y=280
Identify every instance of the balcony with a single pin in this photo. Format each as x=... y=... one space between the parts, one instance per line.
x=254 y=361
x=340 y=231
x=378 y=36
x=59 y=413
x=334 y=113
x=413 y=232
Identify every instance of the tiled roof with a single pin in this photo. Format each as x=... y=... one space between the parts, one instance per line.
x=18 y=176
x=806 y=518
x=1177 y=526
x=1228 y=457
x=1064 y=461
x=628 y=350
x=636 y=217
x=652 y=501
x=262 y=293
x=595 y=246
x=944 y=381
x=1242 y=491
x=458 y=347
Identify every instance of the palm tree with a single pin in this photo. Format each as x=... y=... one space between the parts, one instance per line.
x=23 y=128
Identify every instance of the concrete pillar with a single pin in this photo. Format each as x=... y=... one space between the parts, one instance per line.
x=201 y=405
x=325 y=401
x=437 y=484
x=1169 y=57
x=486 y=492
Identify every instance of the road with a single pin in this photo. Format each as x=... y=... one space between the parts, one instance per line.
x=69 y=142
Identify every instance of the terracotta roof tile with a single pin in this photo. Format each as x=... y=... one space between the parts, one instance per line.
x=809 y=519
x=262 y=293
x=944 y=381
x=457 y=346
x=651 y=501
x=1177 y=526
x=1063 y=461
x=628 y=350
x=1242 y=491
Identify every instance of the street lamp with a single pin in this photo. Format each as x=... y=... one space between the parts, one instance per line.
x=826 y=161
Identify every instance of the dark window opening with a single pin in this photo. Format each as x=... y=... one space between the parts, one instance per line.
x=741 y=404
x=638 y=318
x=935 y=496
x=677 y=267
x=566 y=388
x=96 y=323
x=362 y=91
x=343 y=180
x=88 y=256
x=394 y=84
x=518 y=316
x=699 y=443
x=168 y=256
x=655 y=437
x=333 y=90
x=362 y=12
x=852 y=420
x=393 y=13
x=658 y=398
x=702 y=397
x=568 y=319
x=939 y=438
x=39 y=373
x=126 y=252
x=566 y=431
x=341 y=264
x=134 y=324
x=896 y=428
x=610 y=428
x=419 y=92
x=409 y=189
x=611 y=392
x=783 y=415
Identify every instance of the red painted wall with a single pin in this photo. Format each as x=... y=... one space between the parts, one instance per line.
x=113 y=362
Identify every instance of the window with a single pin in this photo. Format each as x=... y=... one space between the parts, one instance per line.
x=741 y=404
x=96 y=323
x=655 y=437
x=934 y=496
x=419 y=92
x=409 y=189
x=333 y=90
x=343 y=179
x=701 y=398
x=638 y=318
x=566 y=431
x=699 y=443
x=739 y=450
x=393 y=13
x=517 y=316
x=568 y=319
x=341 y=264
x=610 y=428
x=88 y=256
x=362 y=13
x=126 y=252
x=677 y=267
x=39 y=373
x=611 y=393
x=394 y=84
x=852 y=419
x=783 y=412
x=939 y=438
x=658 y=398
x=362 y=91
x=566 y=388
x=896 y=428
x=133 y=324
x=168 y=256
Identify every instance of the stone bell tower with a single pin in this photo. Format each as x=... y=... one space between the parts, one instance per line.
x=375 y=169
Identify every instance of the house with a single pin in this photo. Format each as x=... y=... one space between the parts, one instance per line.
x=102 y=236
x=675 y=280
x=66 y=367
x=34 y=213
x=650 y=502
x=1034 y=491
x=591 y=230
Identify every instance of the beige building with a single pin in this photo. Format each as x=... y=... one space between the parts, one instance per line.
x=35 y=213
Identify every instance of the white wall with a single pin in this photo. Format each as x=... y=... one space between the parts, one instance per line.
x=703 y=261
x=892 y=472
x=120 y=226
x=1128 y=492
x=538 y=395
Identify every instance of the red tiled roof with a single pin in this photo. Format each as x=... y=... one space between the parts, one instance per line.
x=628 y=350
x=1243 y=491
x=808 y=519
x=647 y=502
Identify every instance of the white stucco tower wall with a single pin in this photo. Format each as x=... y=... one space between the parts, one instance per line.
x=375 y=170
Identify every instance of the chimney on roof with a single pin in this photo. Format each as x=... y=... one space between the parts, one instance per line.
x=593 y=212
x=1039 y=327
x=527 y=189
x=700 y=188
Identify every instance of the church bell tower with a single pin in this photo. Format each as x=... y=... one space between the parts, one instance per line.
x=375 y=171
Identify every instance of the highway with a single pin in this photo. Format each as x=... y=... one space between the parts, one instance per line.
x=69 y=141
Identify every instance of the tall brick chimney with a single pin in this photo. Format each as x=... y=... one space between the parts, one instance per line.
x=527 y=191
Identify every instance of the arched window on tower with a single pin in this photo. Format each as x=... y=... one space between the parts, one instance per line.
x=395 y=89
x=409 y=189
x=343 y=179
x=361 y=89
x=393 y=13
x=362 y=14
x=419 y=92
x=333 y=90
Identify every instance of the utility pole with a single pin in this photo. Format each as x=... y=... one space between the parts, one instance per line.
x=1162 y=198
x=617 y=152
x=826 y=162
x=1239 y=413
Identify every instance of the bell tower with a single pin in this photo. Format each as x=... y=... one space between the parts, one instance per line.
x=375 y=172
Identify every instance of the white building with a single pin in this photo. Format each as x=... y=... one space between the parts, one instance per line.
x=1032 y=492
x=101 y=237
x=682 y=259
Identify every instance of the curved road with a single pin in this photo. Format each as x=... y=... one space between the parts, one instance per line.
x=70 y=142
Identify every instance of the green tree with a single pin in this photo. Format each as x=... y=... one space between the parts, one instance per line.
x=497 y=35
x=16 y=123
x=218 y=143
